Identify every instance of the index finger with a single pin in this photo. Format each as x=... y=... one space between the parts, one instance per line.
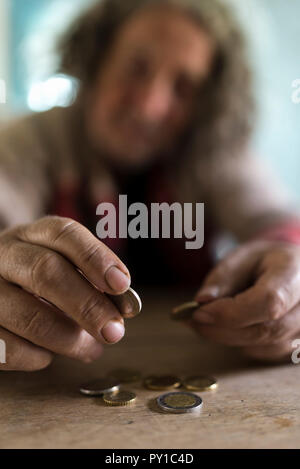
x=75 y=242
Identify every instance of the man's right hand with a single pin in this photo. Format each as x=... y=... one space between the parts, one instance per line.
x=53 y=276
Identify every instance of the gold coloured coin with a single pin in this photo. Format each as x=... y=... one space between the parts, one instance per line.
x=120 y=398
x=179 y=402
x=185 y=311
x=200 y=383
x=162 y=382
x=129 y=303
x=125 y=375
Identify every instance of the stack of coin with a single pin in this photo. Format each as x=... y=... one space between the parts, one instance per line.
x=109 y=388
x=109 y=391
x=179 y=402
x=129 y=304
x=120 y=398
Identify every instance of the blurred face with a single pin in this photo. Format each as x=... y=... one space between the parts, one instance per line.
x=145 y=93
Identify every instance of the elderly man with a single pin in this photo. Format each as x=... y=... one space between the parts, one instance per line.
x=163 y=114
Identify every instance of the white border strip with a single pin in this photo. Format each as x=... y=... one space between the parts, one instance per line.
x=4 y=55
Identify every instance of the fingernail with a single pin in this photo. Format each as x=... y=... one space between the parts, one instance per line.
x=204 y=318
x=113 y=332
x=117 y=280
x=208 y=294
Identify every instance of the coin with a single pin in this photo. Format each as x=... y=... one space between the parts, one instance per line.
x=162 y=382
x=99 y=387
x=119 y=398
x=129 y=303
x=185 y=311
x=200 y=383
x=179 y=402
x=125 y=375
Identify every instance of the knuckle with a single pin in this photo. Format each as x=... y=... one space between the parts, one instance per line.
x=277 y=332
x=46 y=266
x=37 y=326
x=91 y=252
x=264 y=333
x=8 y=256
x=61 y=227
x=275 y=304
x=270 y=332
x=92 y=310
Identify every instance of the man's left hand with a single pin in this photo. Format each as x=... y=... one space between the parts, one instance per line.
x=252 y=300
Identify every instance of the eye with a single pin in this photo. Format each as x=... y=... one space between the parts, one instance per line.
x=184 y=88
x=138 y=68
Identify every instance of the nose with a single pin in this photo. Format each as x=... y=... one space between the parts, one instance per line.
x=153 y=102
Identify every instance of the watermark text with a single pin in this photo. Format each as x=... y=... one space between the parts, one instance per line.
x=183 y=220
x=296 y=352
x=2 y=352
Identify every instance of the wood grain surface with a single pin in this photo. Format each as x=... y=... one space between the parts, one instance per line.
x=254 y=407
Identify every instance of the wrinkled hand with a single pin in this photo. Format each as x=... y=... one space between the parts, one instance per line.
x=252 y=300
x=46 y=305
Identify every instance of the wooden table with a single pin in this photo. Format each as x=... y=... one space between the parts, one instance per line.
x=254 y=407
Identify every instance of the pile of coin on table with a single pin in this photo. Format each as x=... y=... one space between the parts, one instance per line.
x=174 y=401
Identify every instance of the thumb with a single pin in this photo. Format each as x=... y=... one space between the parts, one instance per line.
x=231 y=276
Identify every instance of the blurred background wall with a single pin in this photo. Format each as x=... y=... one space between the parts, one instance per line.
x=28 y=29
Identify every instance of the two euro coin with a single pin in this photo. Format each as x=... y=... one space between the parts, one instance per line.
x=179 y=402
